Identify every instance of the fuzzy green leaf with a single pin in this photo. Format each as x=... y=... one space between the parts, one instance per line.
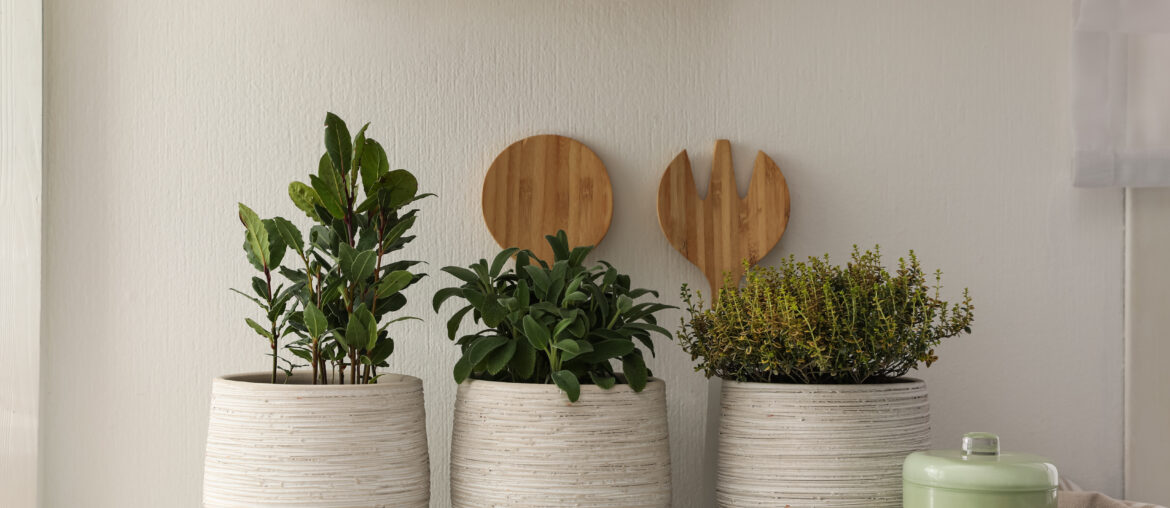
x=604 y=382
x=500 y=260
x=536 y=333
x=567 y=382
x=498 y=359
x=635 y=370
x=480 y=349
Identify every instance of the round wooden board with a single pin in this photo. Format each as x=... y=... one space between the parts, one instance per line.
x=542 y=184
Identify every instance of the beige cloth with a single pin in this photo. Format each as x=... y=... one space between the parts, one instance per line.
x=1072 y=496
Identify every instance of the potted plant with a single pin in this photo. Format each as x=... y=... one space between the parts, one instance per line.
x=542 y=418
x=816 y=410
x=337 y=432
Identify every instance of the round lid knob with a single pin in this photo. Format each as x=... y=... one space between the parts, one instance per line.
x=980 y=444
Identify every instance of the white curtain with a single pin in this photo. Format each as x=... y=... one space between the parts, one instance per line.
x=1121 y=93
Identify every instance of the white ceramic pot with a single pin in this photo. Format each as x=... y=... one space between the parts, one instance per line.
x=818 y=445
x=524 y=445
x=298 y=444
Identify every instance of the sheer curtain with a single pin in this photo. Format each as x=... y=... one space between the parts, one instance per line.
x=1121 y=93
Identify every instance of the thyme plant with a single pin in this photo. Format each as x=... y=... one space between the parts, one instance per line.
x=814 y=322
x=342 y=283
x=558 y=323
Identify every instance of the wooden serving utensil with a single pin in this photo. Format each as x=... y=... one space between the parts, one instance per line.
x=542 y=184
x=719 y=232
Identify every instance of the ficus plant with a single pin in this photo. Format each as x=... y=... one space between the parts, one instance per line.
x=816 y=322
x=557 y=321
x=343 y=282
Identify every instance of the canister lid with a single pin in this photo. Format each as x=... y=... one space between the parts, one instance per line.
x=979 y=465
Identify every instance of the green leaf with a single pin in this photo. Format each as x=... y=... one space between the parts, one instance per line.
x=359 y=145
x=453 y=323
x=567 y=382
x=648 y=327
x=276 y=245
x=574 y=297
x=578 y=255
x=260 y=287
x=290 y=234
x=256 y=234
x=570 y=347
x=561 y=326
x=366 y=318
x=604 y=382
x=315 y=320
x=559 y=244
x=537 y=334
x=401 y=185
x=398 y=229
x=624 y=304
x=498 y=359
x=305 y=198
x=259 y=329
x=523 y=361
x=635 y=370
x=357 y=266
x=462 y=369
x=394 y=282
x=522 y=295
x=382 y=350
x=480 y=349
x=330 y=188
x=462 y=274
x=250 y=297
x=337 y=143
x=500 y=260
x=374 y=164
x=611 y=348
x=442 y=295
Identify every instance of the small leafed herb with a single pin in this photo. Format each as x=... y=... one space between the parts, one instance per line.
x=342 y=283
x=556 y=323
x=819 y=323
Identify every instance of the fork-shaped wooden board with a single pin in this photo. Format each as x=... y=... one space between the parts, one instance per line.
x=719 y=232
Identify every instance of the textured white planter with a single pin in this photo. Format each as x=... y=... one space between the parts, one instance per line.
x=818 y=445
x=525 y=445
x=324 y=446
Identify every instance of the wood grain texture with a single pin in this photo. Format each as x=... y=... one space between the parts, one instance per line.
x=722 y=231
x=324 y=446
x=818 y=445
x=542 y=184
x=20 y=252
x=520 y=445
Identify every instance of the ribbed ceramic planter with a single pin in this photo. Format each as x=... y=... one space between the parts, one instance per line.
x=818 y=445
x=525 y=445
x=297 y=444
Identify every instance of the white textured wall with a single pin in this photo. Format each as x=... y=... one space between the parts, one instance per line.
x=937 y=125
x=20 y=248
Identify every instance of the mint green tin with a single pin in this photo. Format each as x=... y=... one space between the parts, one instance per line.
x=978 y=476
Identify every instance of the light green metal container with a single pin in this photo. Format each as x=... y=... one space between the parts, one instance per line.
x=977 y=476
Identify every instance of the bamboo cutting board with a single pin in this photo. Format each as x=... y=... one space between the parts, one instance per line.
x=718 y=233
x=542 y=184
